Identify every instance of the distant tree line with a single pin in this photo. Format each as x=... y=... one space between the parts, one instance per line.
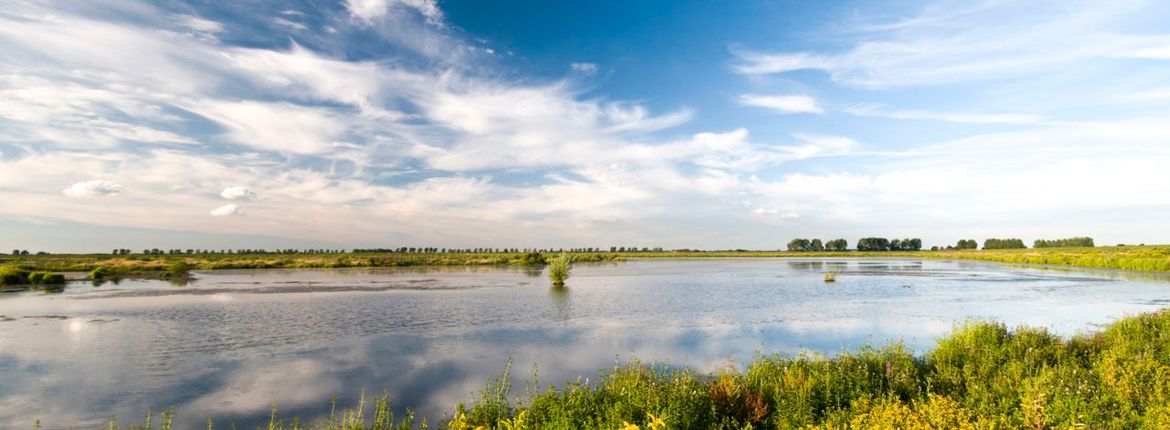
x=816 y=245
x=1071 y=242
x=1003 y=244
x=487 y=250
x=192 y=251
x=864 y=244
x=883 y=244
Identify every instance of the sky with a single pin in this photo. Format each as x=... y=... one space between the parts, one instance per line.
x=712 y=125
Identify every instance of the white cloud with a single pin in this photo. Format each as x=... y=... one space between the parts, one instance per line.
x=228 y=210
x=369 y=10
x=584 y=68
x=290 y=24
x=237 y=193
x=94 y=188
x=1153 y=53
x=199 y=24
x=782 y=104
x=280 y=127
x=874 y=110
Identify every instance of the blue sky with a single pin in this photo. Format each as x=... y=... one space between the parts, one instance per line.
x=361 y=123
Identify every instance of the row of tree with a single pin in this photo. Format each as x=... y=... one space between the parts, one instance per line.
x=425 y=250
x=1064 y=243
x=815 y=245
x=1012 y=243
x=863 y=244
x=883 y=244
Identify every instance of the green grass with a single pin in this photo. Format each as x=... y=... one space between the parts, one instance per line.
x=559 y=269
x=982 y=376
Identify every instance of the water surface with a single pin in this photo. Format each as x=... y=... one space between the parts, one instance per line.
x=233 y=342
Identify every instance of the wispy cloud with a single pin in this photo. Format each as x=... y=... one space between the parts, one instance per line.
x=368 y=10
x=876 y=110
x=950 y=43
x=782 y=104
x=584 y=68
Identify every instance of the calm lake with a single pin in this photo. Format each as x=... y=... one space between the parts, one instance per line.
x=233 y=342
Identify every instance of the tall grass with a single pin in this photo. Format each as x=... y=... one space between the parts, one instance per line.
x=982 y=376
x=559 y=269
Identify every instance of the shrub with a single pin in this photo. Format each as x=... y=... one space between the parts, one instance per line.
x=559 y=268
x=13 y=276
x=178 y=268
x=53 y=279
x=99 y=273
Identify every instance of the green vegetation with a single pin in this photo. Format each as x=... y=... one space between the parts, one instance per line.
x=982 y=376
x=967 y=244
x=830 y=276
x=107 y=266
x=838 y=245
x=559 y=268
x=104 y=266
x=178 y=269
x=879 y=244
x=1072 y=242
x=19 y=276
x=1003 y=244
x=10 y=275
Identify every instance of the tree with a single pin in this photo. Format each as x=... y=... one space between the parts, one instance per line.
x=873 y=244
x=1003 y=244
x=967 y=244
x=816 y=246
x=837 y=245
x=799 y=245
x=1071 y=242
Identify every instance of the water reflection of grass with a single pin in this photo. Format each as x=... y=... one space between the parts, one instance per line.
x=983 y=375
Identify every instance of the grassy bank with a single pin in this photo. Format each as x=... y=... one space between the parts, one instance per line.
x=161 y=265
x=982 y=376
x=1136 y=258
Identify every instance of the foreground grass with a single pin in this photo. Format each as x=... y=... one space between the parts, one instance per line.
x=982 y=376
x=1135 y=258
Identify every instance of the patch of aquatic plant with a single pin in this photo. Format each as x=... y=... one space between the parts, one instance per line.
x=11 y=275
x=830 y=276
x=559 y=269
x=17 y=276
x=981 y=376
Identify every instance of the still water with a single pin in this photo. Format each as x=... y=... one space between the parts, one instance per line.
x=232 y=343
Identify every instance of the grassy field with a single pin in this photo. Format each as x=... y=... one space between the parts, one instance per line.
x=982 y=376
x=1135 y=258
